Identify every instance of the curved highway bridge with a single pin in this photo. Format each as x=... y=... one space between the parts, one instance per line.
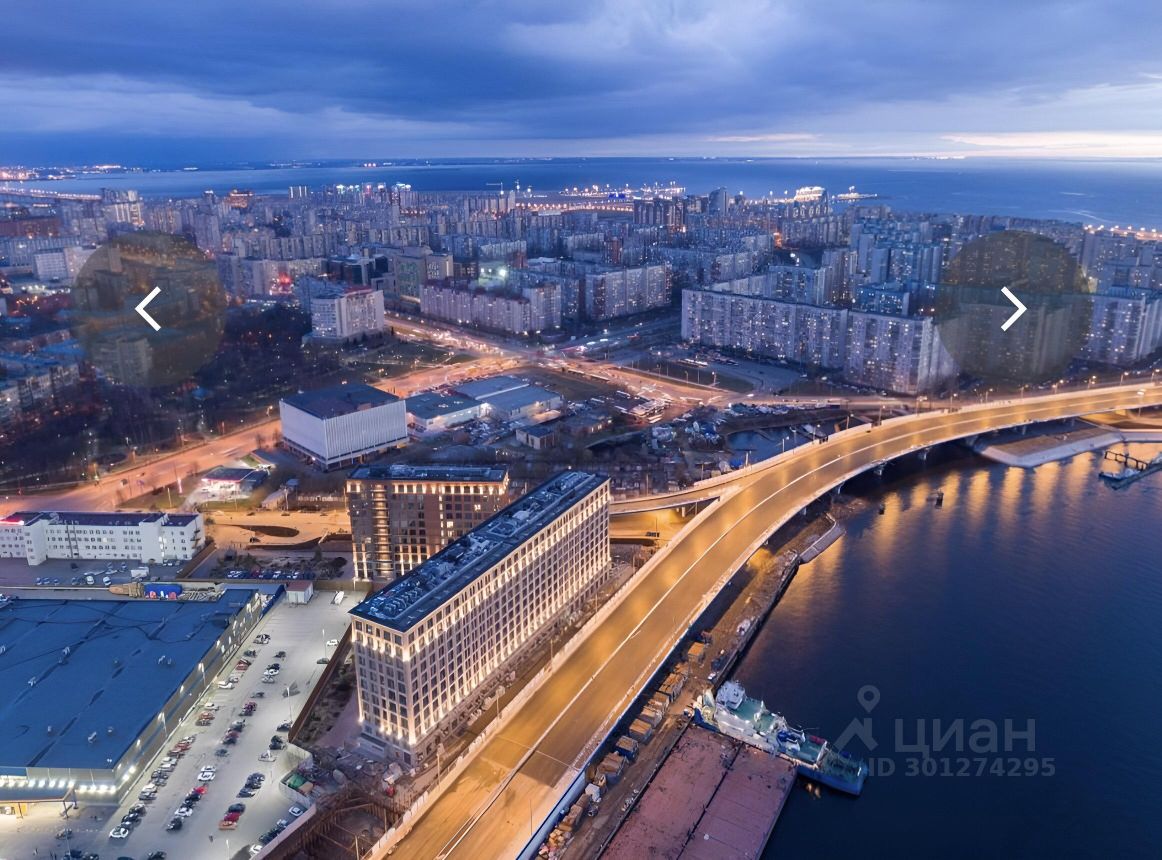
x=513 y=782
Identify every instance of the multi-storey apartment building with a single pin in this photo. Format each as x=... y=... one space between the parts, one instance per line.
x=896 y=353
x=526 y=310
x=347 y=314
x=402 y=514
x=802 y=334
x=432 y=645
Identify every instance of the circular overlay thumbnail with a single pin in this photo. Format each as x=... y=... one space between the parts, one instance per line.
x=148 y=309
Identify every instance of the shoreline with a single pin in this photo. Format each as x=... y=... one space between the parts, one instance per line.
x=1031 y=452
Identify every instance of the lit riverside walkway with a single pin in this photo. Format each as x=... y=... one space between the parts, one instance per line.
x=507 y=789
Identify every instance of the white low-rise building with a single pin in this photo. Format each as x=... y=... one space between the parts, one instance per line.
x=338 y=426
x=148 y=537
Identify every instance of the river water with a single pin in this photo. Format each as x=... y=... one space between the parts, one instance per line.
x=1033 y=597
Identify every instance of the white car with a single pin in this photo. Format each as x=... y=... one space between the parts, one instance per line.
x=267 y=756
x=296 y=811
x=255 y=848
x=225 y=685
x=212 y=706
x=119 y=833
x=183 y=812
x=206 y=776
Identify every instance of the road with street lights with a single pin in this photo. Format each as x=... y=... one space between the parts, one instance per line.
x=492 y=807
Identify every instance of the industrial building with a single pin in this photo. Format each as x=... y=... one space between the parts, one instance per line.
x=433 y=411
x=401 y=514
x=94 y=688
x=147 y=537
x=432 y=645
x=339 y=426
x=508 y=398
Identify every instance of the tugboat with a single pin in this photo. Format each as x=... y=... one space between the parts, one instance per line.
x=733 y=713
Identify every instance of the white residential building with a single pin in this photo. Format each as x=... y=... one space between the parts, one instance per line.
x=148 y=537
x=347 y=314
x=433 y=644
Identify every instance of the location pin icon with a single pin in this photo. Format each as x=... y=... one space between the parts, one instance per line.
x=868 y=696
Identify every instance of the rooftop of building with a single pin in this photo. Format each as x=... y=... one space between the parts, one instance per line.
x=231 y=473
x=411 y=598
x=339 y=400
x=72 y=668
x=540 y=431
x=518 y=398
x=433 y=472
x=120 y=519
x=478 y=389
x=433 y=404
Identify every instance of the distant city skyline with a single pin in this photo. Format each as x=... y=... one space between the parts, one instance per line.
x=343 y=78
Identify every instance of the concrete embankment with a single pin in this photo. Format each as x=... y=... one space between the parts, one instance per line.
x=1032 y=451
x=816 y=547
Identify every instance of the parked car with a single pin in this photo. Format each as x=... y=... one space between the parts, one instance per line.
x=224 y=824
x=175 y=823
x=236 y=807
x=267 y=756
x=119 y=833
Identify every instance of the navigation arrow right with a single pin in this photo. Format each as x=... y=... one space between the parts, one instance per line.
x=1020 y=308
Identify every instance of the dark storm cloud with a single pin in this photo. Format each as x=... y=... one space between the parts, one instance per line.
x=338 y=77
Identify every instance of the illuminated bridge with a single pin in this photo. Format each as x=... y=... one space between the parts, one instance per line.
x=518 y=774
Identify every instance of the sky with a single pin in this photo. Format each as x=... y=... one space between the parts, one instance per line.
x=159 y=83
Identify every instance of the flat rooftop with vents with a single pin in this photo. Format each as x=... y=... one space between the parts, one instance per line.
x=86 y=684
x=407 y=601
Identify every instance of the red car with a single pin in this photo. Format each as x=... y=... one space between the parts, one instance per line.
x=201 y=789
x=231 y=816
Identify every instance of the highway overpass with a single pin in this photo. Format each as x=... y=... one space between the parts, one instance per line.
x=506 y=791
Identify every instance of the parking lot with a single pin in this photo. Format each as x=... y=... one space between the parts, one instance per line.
x=302 y=632
x=61 y=573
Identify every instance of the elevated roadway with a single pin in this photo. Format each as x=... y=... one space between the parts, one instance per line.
x=491 y=808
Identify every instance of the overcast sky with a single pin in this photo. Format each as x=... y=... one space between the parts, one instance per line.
x=165 y=82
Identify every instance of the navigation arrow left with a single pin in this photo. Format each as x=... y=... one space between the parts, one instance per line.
x=141 y=308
